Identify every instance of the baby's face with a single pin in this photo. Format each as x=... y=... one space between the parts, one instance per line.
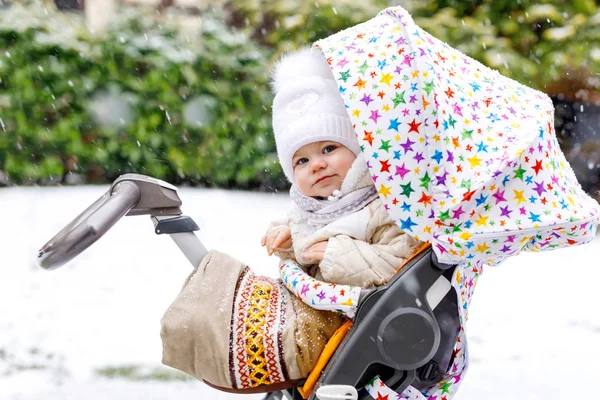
x=320 y=167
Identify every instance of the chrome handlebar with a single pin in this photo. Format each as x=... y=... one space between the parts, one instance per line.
x=130 y=194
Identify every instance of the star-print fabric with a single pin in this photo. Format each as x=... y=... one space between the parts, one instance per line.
x=461 y=156
x=318 y=294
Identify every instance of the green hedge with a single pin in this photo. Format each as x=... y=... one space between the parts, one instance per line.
x=143 y=99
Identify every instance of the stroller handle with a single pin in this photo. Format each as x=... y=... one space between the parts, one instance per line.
x=129 y=195
x=89 y=226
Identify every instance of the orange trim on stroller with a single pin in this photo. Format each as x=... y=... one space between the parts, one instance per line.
x=323 y=359
x=421 y=249
x=335 y=340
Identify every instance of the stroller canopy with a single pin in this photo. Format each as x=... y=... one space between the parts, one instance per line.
x=462 y=156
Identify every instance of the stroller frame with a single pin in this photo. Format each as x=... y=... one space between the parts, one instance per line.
x=405 y=329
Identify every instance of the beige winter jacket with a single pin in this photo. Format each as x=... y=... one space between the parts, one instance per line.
x=364 y=249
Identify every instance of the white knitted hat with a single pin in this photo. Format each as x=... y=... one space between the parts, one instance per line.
x=307 y=107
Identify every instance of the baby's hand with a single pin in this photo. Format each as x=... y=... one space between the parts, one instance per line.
x=278 y=238
x=316 y=251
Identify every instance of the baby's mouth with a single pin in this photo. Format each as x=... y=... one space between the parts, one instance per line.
x=323 y=178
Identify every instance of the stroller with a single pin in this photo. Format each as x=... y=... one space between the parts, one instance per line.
x=463 y=158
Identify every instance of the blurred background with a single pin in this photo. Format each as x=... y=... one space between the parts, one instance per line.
x=178 y=89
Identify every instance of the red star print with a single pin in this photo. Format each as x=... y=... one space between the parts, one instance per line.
x=385 y=166
x=397 y=86
x=380 y=397
x=538 y=166
x=467 y=196
x=369 y=138
x=380 y=95
x=395 y=201
x=425 y=199
x=487 y=101
x=414 y=127
x=449 y=93
x=373 y=74
x=469 y=147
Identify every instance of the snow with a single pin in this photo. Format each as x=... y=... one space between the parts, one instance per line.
x=534 y=327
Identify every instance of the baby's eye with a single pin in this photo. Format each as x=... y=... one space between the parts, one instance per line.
x=301 y=161
x=328 y=149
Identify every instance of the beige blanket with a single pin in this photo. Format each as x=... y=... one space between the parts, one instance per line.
x=241 y=332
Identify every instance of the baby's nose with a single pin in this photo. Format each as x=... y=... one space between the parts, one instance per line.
x=318 y=163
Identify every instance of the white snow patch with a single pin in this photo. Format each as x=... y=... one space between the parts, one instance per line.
x=533 y=329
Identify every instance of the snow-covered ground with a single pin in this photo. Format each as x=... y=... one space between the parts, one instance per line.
x=534 y=325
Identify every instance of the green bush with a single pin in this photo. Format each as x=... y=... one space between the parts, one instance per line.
x=143 y=99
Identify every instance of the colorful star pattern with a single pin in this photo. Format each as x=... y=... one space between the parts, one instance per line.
x=318 y=294
x=462 y=156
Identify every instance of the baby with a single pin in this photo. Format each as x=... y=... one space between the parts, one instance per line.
x=339 y=231
x=241 y=332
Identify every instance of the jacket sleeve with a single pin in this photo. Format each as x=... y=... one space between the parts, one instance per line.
x=366 y=263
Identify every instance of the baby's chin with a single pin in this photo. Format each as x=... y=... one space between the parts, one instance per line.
x=326 y=190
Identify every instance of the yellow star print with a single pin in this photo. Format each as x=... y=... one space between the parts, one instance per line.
x=384 y=191
x=482 y=221
x=519 y=196
x=475 y=162
x=465 y=235
x=482 y=248
x=386 y=78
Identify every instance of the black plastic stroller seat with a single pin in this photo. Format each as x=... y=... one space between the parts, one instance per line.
x=404 y=332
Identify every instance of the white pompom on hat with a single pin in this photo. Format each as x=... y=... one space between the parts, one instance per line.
x=307 y=107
